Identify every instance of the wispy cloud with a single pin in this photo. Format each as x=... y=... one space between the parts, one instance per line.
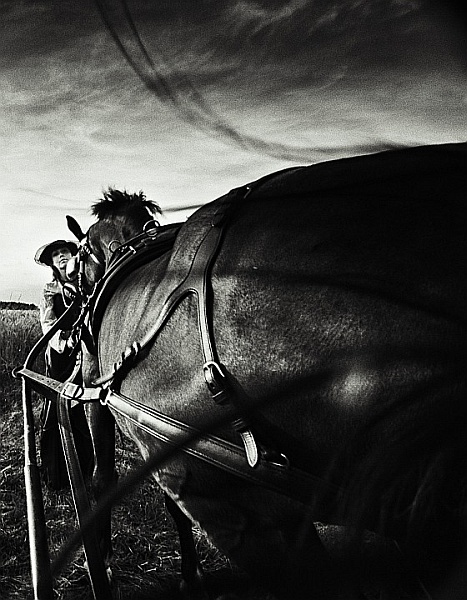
x=61 y=200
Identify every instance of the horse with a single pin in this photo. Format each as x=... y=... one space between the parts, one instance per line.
x=317 y=318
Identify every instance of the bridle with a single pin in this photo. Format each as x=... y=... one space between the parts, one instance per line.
x=116 y=248
x=86 y=250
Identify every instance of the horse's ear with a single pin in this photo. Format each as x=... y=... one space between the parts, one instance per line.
x=75 y=228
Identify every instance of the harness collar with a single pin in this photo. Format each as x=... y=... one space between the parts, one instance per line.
x=147 y=246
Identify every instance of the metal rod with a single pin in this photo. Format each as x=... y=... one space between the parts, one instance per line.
x=38 y=545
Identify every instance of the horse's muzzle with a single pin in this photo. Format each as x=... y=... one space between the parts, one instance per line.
x=72 y=268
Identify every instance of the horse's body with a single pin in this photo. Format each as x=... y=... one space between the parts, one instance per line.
x=338 y=309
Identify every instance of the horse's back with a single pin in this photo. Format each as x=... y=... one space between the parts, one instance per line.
x=427 y=170
x=337 y=290
x=393 y=222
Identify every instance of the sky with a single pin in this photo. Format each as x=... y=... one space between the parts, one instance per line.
x=220 y=93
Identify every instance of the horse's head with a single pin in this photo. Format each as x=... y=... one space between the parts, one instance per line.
x=120 y=217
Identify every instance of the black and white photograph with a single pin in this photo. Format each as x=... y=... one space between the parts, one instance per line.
x=233 y=328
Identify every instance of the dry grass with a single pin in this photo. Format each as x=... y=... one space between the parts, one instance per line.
x=19 y=330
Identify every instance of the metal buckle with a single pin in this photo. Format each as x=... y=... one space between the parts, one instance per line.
x=71 y=391
x=151 y=228
x=216 y=381
x=116 y=243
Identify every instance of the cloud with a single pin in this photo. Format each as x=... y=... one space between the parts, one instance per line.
x=311 y=37
x=75 y=117
x=239 y=55
x=37 y=28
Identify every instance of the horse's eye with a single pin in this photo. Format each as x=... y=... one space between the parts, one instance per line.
x=89 y=247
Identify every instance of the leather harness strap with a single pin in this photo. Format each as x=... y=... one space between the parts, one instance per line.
x=95 y=562
x=291 y=482
x=285 y=480
x=51 y=388
x=143 y=248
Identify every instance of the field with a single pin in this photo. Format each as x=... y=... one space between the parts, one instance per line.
x=147 y=560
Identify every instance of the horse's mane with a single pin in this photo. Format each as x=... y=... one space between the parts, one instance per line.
x=115 y=202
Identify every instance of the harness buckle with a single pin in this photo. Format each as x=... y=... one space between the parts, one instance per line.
x=71 y=391
x=151 y=228
x=216 y=381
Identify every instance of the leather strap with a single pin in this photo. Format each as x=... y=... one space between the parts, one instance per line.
x=51 y=388
x=282 y=479
x=95 y=563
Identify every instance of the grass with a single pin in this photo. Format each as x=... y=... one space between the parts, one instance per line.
x=19 y=330
x=147 y=559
